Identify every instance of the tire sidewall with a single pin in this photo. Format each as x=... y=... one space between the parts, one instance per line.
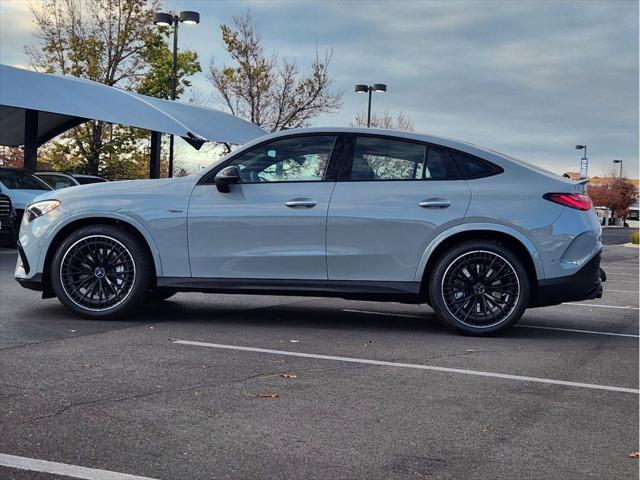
x=435 y=286
x=139 y=256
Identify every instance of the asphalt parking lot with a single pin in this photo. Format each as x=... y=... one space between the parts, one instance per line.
x=221 y=386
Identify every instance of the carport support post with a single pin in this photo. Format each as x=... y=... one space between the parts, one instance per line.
x=31 y=139
x=154 y=156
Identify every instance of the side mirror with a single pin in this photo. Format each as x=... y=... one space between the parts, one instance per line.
x=226 y=177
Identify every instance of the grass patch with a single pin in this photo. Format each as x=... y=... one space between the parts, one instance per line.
x=635 y=237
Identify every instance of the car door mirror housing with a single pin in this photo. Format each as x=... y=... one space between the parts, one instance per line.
x=225 y=177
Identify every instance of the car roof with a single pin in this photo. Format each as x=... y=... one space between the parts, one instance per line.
x=53 y=173
x=373 y=131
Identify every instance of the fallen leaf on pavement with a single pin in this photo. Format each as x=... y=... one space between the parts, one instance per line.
x=288 y=375
x=263 y=394
x=635 y=454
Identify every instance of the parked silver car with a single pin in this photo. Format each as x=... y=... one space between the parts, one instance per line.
x=353 y=213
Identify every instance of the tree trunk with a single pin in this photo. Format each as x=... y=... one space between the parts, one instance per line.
x=93 y=160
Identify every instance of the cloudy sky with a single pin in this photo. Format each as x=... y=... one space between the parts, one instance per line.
x=530 y=79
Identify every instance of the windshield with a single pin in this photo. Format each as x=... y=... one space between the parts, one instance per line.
x=22 y=180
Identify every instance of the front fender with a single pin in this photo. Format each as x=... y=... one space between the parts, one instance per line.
x=468 y=227
x=52 y=232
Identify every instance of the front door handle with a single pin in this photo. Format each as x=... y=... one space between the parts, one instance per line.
x=301 y=203
x=435 y=203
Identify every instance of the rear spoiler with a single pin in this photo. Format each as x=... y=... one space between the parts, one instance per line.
x=583 y=183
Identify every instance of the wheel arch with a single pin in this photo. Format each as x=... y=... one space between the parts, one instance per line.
x=511 y=238
x=65 y=230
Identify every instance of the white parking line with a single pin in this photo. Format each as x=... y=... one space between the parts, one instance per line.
x=622 y=291
x=539 y=327
x=462 y=371
x=55 y=468
x=592 y=332
x=623 y=274
x=596 y=305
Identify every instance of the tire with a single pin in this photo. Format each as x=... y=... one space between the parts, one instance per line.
x=479 y=288
x=160 y=295
x=101 y=272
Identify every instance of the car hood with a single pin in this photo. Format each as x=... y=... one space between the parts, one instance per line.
x=119 y=187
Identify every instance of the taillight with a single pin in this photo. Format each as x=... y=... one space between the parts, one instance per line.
x=578 y=201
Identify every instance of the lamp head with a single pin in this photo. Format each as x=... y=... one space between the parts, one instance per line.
x=580 y=147
x=189 y=17
x=163 y=19
x=379 y=87
x=360 y=88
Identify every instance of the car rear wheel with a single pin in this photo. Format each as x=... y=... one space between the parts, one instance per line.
x=479 y=288
x=101 y=271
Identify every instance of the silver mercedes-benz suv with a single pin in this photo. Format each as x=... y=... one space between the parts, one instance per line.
x=352 y=213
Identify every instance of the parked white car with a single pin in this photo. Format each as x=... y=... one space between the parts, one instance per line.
x=58 y=180
x=21 y=186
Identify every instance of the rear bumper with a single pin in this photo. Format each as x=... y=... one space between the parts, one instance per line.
x=585 y=284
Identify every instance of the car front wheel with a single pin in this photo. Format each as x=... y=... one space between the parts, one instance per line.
x=479 y=288
x=100 y=271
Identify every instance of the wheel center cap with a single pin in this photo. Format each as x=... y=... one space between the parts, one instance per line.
x=99 y=272
x=478 y=288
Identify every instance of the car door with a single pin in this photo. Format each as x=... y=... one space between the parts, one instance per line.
x=394 y=197
x=272 y=224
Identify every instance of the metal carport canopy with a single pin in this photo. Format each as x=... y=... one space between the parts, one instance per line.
x=63 y=102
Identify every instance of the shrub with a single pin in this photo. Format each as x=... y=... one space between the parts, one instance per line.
x=635 y=237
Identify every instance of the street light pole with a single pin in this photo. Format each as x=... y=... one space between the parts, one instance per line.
x=376 y=87
x=174 y=81
x=166 y=20
x=369 y=108
x=620 y=162
x=584 y=162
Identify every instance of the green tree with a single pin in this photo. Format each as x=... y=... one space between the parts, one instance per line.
x=116 y=43
x=267 y=90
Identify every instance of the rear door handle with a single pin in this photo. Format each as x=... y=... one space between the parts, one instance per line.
x=435 y=203
x=301 y=203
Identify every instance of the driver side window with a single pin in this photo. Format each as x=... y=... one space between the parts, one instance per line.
x=294 y=159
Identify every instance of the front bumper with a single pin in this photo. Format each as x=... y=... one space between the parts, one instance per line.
x=585 y=284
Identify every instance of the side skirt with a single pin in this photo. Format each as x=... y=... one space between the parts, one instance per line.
x=405 y=292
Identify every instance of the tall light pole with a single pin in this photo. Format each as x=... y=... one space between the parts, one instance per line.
x=620 y=162
x=165 y=20
x=584 y=162
x=376 y=87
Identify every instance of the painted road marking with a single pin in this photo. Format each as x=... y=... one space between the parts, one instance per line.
x=623 y=274
x=55 y=468
x=592 y=332
x=596 y=305
x=518 y=325
x=622 y=291
x=478 y=373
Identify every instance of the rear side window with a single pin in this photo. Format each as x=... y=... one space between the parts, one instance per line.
x=386 y=159
x=440 y=165
x=377 y=158
x=474 y=167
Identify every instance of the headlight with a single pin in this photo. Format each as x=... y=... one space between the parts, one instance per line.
x=38 y=209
